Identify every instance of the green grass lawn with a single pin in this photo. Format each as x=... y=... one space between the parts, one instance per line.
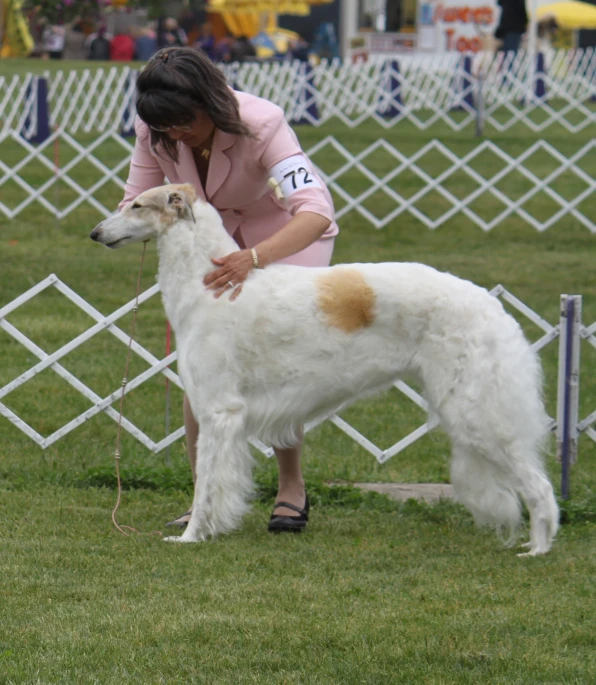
x=372 y=594
x=22 y=67
x=375 y=592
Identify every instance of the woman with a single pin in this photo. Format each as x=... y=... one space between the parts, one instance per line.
x=193 y=128
x=169 y=34
x=74 y=40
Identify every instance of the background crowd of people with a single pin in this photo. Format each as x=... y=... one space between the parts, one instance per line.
x=77 y=41
x=74 y=41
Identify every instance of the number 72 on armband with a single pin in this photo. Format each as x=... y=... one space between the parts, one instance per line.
x=291 y=175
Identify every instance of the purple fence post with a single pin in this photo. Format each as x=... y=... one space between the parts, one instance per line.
x=568 y=431
x=464 y=85
x=565 y=447
x=540 y=83
x=42 y=112
x=390 y=102
x=467 y=85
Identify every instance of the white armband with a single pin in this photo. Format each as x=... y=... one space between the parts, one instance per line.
x=293 y=174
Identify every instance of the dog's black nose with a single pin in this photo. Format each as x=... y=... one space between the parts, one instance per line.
x=94 y=235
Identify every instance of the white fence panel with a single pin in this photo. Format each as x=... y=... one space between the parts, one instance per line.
x=353 y=165
x=68 y=174
x=160 y=366
x=588 y=425
x=18 y=102
x=556 y=87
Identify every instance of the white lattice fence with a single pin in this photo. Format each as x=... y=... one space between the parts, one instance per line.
x=36 y=174
x=77 y=101
x=588 y=425
x=422 y=90
x=161 y=366
x=565 y=93
x=92 y=101
x=18 y=105
x=487 y=185
x=484 y=188
x=557 y=87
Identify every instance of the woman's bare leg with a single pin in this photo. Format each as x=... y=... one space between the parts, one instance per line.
x=291 y=483
x=192 y=435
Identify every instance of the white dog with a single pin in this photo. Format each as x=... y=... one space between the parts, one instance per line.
x=299 y=343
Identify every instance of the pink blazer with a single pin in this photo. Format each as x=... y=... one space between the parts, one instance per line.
x=237 y=179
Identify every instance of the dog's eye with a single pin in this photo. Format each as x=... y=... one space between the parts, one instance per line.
x=137 y=206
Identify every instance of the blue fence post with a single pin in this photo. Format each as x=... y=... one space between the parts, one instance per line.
x=592 y=66
x=540 y=82
x=464 y=85
x=566 y=451
x=467 y=83
x=306 y=111
x=129 y=113
x=390 y=101
x=41 y=132
x=567 y=426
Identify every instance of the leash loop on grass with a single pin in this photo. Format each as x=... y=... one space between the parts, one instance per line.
x=135 y=309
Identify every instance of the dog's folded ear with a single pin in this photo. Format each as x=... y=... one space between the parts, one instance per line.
x=189 y=190
x=182 y=199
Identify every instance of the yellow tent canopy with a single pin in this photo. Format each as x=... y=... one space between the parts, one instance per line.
x=248 y=17
x=241 y=23
x=295 y=7
x=569 y=15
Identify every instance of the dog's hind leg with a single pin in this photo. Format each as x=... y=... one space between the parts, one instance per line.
x=537 y=493
x=224 y=474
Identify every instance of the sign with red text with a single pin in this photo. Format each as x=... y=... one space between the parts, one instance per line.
x=455 y=25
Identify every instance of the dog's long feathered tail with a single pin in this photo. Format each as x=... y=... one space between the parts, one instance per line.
x=486 y=493
x=495 y=416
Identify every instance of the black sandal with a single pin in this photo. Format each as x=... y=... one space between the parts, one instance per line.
x=177 y=522
x=289 y=524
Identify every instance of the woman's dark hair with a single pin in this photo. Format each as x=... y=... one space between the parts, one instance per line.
x=175 y=84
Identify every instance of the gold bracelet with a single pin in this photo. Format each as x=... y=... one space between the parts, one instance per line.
x=255 y=258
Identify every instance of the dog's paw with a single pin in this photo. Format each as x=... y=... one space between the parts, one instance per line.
x=177 y=538
x=185 y=537
x=533 y=553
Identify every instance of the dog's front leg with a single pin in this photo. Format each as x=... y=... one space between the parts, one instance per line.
x=224 y=476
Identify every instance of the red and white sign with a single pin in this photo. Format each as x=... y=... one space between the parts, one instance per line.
x=455 y=25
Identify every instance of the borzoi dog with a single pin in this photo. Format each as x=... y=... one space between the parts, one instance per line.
x=300 y=343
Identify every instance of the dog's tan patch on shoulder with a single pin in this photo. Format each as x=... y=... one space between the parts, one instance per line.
x=346 y=299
